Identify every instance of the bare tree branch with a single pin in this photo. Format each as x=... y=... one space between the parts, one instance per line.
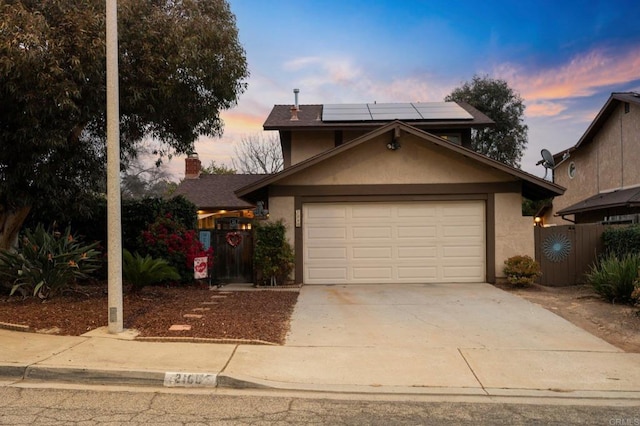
x=258 y=154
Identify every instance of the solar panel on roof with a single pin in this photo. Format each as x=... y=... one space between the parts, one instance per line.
x=394 y=111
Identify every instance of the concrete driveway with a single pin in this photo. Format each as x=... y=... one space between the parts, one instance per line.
x=431 y=316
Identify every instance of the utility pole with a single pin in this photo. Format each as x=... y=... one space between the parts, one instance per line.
x=114 y=224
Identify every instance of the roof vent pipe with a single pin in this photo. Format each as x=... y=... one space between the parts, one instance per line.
x=295 y=94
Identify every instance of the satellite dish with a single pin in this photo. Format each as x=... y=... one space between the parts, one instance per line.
x=547 y=161
x=547 y=158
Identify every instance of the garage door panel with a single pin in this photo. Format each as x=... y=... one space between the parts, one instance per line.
x=375 y=273
x=469 y=252
x=417 y=231
x=418 y=274
x=326 y=213
x=412 y=242
x=465 y=231
x=328 y=274
x=365 y=253
x=372 y=232
x=416 y=210
x=460 y=273
x=364 y=212
x=323 y=253
x=324 y=233
x=417 y=252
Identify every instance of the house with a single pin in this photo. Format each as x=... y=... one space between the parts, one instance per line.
x=600 y=172
x=224 y=220
x=214 y=196
x=390 y=193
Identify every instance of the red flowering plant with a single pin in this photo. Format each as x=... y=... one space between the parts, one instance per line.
x=169 y=240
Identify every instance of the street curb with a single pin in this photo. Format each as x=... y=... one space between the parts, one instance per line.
x=89 y=376
x=12 y=371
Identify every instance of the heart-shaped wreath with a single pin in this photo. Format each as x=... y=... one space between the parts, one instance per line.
x=233 y=239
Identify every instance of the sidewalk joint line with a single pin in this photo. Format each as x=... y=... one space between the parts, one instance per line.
x=473 y=372
x=235 y=348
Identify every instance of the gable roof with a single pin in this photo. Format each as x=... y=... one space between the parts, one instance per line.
x=210 y=192
x=533 y=187
x=310 y=118
x=612 y=103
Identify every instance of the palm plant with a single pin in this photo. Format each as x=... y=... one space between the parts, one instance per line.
x=143 y=271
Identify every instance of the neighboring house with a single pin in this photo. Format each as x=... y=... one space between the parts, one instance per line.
x=601 y=173
x=389 y=193
x=224 y=220
x=214 y=196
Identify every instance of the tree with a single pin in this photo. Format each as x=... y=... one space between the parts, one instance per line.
x=140 y=179
x=257 y=154
x=214 y=169
x=508 y=139
x=180 y=64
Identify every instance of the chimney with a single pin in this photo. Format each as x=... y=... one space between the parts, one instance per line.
x=192 y=166
x=295 y=94
x=296 y=107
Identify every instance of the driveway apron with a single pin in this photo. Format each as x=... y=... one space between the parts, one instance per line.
x=431 y=316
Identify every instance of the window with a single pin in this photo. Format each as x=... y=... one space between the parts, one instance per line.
x=572 y=170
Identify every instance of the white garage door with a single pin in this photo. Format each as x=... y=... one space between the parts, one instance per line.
x=406 y=242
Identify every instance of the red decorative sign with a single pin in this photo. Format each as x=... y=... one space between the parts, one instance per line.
x=200 y=268
x=233 y=239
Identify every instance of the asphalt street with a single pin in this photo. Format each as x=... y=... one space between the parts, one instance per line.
x=20 y=404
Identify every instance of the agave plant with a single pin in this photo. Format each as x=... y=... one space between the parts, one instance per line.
x=143 y=271
x=47 y=263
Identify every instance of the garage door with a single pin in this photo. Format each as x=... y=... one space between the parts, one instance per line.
x=407 y=242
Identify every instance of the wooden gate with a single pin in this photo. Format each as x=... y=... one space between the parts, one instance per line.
x=233 y=256
x=566 y=253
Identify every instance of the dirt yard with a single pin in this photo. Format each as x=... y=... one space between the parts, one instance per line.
x=617 y=324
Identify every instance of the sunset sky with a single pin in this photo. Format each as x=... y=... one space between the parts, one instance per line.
x=563 y=57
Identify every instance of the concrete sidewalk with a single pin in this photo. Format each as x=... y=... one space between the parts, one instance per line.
x=107 y=359
x=460 y=339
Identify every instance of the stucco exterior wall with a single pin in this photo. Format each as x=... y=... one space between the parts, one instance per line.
x=282 y=208
x=608 y=162
x=631 y=146
x=513 y=232
x=308 y=144
x=415 y=162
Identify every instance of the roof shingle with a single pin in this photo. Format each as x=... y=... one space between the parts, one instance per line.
x=216 y=191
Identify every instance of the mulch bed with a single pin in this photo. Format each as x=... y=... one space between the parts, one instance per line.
x=253 y=315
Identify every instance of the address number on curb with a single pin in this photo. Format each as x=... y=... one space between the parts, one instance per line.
x=189 y=380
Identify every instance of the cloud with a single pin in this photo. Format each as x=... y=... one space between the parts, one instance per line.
x=582 y=76
x=544 y=109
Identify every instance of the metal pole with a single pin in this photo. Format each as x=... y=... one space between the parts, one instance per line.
x=114 y=233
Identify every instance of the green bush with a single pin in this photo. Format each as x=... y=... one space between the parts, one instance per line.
x=141 y=271
x=46 y=264
x=273 y=256
x=615 y=278
x=621 y=240
x=521 y=270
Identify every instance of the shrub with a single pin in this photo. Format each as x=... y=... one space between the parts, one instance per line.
x=621 y=240
x=614 y=278
x=521 y=270
x=143 y=271
x=46 y=264
x=170 y=240
x=273 y=256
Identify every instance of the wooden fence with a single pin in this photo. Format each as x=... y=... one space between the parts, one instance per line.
x=566 y=253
